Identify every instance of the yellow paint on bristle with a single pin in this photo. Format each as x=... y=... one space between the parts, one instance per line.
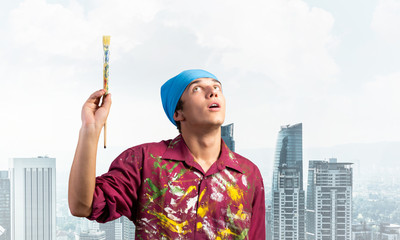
x=106 y=40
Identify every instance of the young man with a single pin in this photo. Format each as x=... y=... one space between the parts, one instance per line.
x=191 y=187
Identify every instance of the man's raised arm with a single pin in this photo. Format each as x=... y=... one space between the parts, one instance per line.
x=82 y=177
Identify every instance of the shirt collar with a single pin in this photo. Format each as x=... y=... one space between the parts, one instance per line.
x=228 y=158
x=178 y=150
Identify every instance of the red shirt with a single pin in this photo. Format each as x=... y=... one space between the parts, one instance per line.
x=167 y=195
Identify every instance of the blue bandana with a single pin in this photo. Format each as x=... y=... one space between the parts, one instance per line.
x=173 y=89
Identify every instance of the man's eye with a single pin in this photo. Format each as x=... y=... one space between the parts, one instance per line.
x=217 y=88
x=195 y=89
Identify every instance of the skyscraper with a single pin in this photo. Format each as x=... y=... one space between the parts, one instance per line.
x=2 y=233
x=128 y=229
x=362 y=231
x=268 y=222
x=113 y=229
x=5 y=232
x=33 y=198
x=227 y=136
x=329 y=200
x=388 y=231
x=92 y=235
x=287 y=185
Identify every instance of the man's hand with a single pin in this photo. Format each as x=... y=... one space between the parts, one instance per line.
x=82 y=178
x=93 y=113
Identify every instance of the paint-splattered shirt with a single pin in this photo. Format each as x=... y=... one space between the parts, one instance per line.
x=165 y=192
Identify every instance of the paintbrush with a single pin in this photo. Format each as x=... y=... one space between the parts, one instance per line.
x=106 y=46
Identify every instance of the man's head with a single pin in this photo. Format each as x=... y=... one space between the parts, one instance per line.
x=197 y=89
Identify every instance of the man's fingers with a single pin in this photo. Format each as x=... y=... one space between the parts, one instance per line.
x=107 y=101
x=95 y=97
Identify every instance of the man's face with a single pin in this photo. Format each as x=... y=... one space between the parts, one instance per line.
x=203 y=104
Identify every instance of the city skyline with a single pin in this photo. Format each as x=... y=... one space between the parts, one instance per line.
x=288 y=143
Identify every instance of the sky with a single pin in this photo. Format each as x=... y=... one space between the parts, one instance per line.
x=332 y=65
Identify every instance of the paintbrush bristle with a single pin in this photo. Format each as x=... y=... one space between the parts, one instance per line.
x=106 y=40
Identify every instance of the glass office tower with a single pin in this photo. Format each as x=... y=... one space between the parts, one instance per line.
x=227 y=136
x=287 y=185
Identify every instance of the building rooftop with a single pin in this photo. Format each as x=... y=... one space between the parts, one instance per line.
x=291 y=126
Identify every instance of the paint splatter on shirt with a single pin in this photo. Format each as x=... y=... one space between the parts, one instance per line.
x=161 y=188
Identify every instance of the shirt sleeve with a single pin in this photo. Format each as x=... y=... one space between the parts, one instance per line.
x=116 y=192
x=257 y=227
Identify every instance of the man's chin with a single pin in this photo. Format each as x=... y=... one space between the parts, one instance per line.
x=215 y=124
x=207 y=126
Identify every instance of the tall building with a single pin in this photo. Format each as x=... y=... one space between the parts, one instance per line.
x=119 y=229
x=113 y=229
x=128 y=229
x=329 y=200
x=268 y=222
x=361 y=231
x=388 y=231
x=287 y=185
x=5 y=222
x=92 y=235
x=227 y=136
x=33 y=198
x=2 y=233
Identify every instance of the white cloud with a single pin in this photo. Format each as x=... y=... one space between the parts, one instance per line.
x=386 y=20
x=70 y=31
x=285 y=40
x=51 y=28
x=382 y=102
x=369 y=114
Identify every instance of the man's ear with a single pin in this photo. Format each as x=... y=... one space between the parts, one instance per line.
x=178 y=116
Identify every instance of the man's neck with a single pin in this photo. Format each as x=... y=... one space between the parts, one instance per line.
x=205 y=146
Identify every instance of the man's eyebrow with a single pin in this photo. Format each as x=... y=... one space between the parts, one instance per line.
x=215 y=80
x=194 y=82
x=198 y=80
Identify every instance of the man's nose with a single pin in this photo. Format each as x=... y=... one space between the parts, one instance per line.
x=212 y=92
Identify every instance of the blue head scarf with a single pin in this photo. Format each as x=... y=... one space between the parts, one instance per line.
x=172 y=90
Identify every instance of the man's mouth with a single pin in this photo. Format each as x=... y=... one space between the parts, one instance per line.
x=214 y=105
